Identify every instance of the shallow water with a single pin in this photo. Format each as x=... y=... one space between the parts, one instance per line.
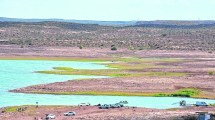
x=20 y=73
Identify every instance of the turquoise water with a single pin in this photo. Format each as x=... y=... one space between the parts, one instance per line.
x=20 y=73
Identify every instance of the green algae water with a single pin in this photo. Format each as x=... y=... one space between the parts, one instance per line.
x=21 y=73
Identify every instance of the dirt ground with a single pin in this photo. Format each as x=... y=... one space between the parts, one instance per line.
x=94 y=113
x=13 y=50
x=130 y=85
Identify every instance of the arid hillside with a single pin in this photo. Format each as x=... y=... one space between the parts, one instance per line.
x=139 y=37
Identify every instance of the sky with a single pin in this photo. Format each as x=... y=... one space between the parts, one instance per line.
x=110 y=10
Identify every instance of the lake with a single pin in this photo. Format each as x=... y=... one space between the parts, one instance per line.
x=21 y=73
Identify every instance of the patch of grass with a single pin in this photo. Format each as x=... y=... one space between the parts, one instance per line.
x=110 y=72
x=63 y=68
x=130 y=66
x=11 y=109
x=186 y=92
x=96 y=93
x=211 y=104
x=210 y=73
x=125 y=75
x=123 y=67
x=150 y=60
x=105 y=72
x=165 y=74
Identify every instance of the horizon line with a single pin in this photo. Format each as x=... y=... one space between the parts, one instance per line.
x=105 y=20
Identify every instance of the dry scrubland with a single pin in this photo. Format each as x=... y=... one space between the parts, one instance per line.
x=90 y=35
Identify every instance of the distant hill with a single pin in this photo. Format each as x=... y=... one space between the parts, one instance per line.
x=164 y=35
x=156 y=24
x=175 y=24
x=106 y=23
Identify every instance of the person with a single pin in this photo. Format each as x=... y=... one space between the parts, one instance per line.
x=182 y=103
x=37 y=105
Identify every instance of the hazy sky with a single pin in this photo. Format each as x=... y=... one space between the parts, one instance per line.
x=110 y=9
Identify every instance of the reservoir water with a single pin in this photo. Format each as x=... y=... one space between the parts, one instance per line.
x=21 y=73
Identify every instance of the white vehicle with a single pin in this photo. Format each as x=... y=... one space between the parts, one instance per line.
x=117 y=105
x=70 y=113
x=84 y=104
x=201 y=103
x=105 y=106
x=50 y=116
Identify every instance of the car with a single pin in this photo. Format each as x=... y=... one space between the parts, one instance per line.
x=117 y=105
x=70 y=113
x=201 y=103
x=105 y=106
x=50 y=116
x=84 y=104
x=120 y=104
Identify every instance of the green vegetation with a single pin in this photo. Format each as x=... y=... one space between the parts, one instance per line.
x=11 y=109
x=210 y=72
x=165 y=74
x=121 y=67
x=211 y=104
x=109 y=72
x=80 y=47
x=113 y=48
x=98 y=93
x=63 y=68
x=187 y=92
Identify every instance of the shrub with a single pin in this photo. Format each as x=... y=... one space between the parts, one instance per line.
x=113 y=48
x=164 y=35
x=22 y=46
x=112 y=45
x=210 y=52
x=210 y=72
x=80 y=47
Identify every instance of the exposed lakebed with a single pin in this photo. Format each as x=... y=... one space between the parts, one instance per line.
x=21 y=73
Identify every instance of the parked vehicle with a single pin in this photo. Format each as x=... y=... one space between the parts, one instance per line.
x=115 y=105
x=50 y=116
x=120 y=104
x=182 y=103
x=105 y=106
x=201 y=103
x=70 y=113
x=84 y=104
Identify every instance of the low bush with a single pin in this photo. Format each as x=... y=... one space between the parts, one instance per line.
x=113 y=48
x=210 y=72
